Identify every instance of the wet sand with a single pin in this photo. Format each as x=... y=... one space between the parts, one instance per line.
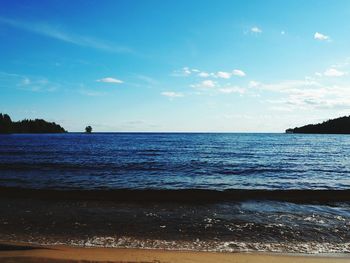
x=307 y=196
x=20 y=253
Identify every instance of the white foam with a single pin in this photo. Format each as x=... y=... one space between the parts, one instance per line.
x=227 y=246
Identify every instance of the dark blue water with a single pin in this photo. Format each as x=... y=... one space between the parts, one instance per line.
x=103 y=163
x=172 y=161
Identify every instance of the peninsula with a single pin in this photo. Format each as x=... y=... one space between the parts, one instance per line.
x=8 y=126
x=334 y=126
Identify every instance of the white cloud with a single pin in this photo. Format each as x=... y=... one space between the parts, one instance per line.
x=186 y=71
x=332 y=72
x=320 y=36
x=256 y=30
x=229 y=90
x=253 y=84
x=308 y=95
x=223 y=75
x=203 y=74
x=110 y=80
x=343 y=64
x=54 y=32
x=208 y=84
x=172 y=94
x=205 y=84
x=238 y=72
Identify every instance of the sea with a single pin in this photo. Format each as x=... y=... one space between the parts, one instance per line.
x=232 y=192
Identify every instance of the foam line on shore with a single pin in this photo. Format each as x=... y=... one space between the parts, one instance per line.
x=67 y=254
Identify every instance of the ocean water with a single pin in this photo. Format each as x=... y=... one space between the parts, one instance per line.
x=178 y=191
x=173 y=161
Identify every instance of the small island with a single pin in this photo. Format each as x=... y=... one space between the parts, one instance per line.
x=334 y=126
x=7 y=126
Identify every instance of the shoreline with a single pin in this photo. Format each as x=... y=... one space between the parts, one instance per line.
x=224 y=227
x=26 y=252
x=181 y=195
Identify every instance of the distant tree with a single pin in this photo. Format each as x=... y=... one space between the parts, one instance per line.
x=88 y=129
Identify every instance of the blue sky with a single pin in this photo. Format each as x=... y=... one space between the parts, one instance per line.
x=241 y=66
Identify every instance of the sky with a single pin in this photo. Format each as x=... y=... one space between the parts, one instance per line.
x=192 y=66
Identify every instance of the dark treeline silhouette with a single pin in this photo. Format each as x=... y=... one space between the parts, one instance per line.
x=335 y=126
x=28 y=126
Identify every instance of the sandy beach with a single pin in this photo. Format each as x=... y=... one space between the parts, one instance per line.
x=28 y=253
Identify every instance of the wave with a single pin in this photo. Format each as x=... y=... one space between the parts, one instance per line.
x=21 y=166
x=180 y=195
x=216 y=246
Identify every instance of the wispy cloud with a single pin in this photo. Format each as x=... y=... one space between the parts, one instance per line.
x=6 y=74
x=321 y=37
x=332 y=72
x=147 y=79
x=229 y=90
x=186 y=72
x=91 y=93
x=287 y=85
x=203 y=74
x=25 y=81
x=205 y=84
x=253 y=84
x=110 y=80
x=57 y=33
x=172 y=94
x=37 y=84
x=307 y=94
x=28 y=83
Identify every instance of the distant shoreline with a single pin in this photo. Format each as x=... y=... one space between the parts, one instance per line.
x=333 y=126
x=37 y=126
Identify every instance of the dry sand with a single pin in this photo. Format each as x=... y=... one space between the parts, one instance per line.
x=25 y=253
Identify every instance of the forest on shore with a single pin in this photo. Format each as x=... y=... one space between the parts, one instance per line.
x=8 y=126
x=334 y=126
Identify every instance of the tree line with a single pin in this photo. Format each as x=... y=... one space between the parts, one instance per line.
x=334 y=126
x=28 y=126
